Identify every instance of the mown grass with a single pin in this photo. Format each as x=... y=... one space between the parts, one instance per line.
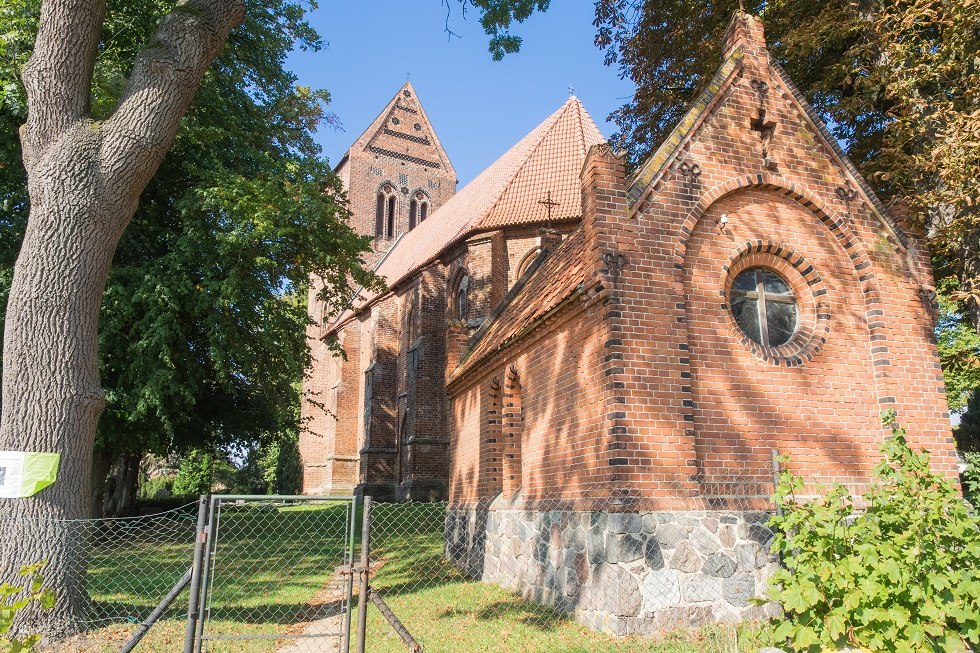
x=269 y=577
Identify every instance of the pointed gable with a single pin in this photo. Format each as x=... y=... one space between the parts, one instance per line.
x=508 y=193
x=402 y=131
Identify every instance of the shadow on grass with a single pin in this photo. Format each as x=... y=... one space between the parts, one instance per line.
x=514 y=610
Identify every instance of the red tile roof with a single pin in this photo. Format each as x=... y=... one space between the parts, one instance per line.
x=509 y=192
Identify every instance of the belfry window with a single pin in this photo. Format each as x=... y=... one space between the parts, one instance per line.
x=379 y=216
x=392 y=204
x=764 y=306
x=418 y=209
x=384 y=212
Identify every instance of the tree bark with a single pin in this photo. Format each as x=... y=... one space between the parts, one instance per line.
x=101 y=462
x=120 y=498
x=84 y=181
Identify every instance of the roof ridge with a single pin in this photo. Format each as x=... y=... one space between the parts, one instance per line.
x=554 y=118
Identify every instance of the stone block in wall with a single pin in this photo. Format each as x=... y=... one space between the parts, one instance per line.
x=622 y=573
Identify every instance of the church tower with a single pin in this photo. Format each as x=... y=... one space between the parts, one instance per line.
x=396 y=173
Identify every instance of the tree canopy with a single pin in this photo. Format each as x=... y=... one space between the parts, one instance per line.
x=203 y=319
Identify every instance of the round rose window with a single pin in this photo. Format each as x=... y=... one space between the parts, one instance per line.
x=764 y=306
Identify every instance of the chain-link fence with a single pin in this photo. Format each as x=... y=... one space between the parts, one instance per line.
x=504 y=574
x=113 y=572
x=274 y=574
x=127 y=565
x=574 y=574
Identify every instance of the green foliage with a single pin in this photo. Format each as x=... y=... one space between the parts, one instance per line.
x=202 y=331
x=959 y=348
x=158 y=487
x=195 y=474
x=497 y=17
x=13 y=599
x=970 y=478
x=901 y=575
x=968 y=432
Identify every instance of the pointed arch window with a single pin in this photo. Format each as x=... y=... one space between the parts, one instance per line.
x=384 y=212
x=392 y=205
x=418 y=209
x=462 y=297
x=379 y=216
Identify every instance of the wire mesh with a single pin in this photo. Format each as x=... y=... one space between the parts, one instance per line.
x=519 y=573
x=272 y=574
x=127 y=564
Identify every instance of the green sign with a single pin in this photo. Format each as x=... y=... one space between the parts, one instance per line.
x=25 y=473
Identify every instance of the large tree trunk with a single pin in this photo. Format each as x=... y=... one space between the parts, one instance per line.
x=101 y=462
x=84 y=181
x=120 y=497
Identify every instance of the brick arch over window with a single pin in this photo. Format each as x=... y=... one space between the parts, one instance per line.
x=512 y=432
x=526 y=261
x=386 y=207
x=418 y=208
x=458 y=300
x=491 y=445
x=841 y=231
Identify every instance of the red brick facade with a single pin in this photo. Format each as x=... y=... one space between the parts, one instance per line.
x=587 y=350
x=637 y=383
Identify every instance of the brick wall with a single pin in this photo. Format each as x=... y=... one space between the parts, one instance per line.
x=649 y=389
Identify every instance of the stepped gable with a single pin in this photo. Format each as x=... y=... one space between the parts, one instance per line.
x=507 y=193
x=402 y=131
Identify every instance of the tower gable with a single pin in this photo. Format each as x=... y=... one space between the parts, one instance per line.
x=396 y=173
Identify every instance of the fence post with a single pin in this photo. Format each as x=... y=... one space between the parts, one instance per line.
x=345 y=635
x=201 y=537
x=362 y=596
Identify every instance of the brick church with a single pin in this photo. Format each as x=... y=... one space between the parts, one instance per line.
x=563 y=345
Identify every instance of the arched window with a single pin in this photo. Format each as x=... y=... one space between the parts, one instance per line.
x=379 y=216
x=423 y=211
x=526 y=261
x=512 y=418
x=462 y=297
x=384 y=212
x=392 y=203
x=413 y=211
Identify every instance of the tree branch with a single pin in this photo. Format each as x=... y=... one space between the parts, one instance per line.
x=161 y=87
x=58 y=76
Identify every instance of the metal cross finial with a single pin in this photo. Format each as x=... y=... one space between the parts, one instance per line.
x=571 y=90
x=549 y=203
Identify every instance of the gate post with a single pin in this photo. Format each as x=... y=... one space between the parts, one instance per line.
x=192 y=603
x=349 y=589
x=362 y=596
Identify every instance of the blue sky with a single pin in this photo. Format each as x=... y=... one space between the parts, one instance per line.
x=479 y=107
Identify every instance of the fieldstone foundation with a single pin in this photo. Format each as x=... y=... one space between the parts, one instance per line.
x=621 y=572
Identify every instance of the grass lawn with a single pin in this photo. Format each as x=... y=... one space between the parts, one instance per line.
x=274 y=575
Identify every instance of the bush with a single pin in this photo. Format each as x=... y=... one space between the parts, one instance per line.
x=13 y=599
x=902 y=575
x=194 y=474
x=970 y=478
x=158 y=487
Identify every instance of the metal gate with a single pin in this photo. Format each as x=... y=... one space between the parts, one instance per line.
x=274 y=569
